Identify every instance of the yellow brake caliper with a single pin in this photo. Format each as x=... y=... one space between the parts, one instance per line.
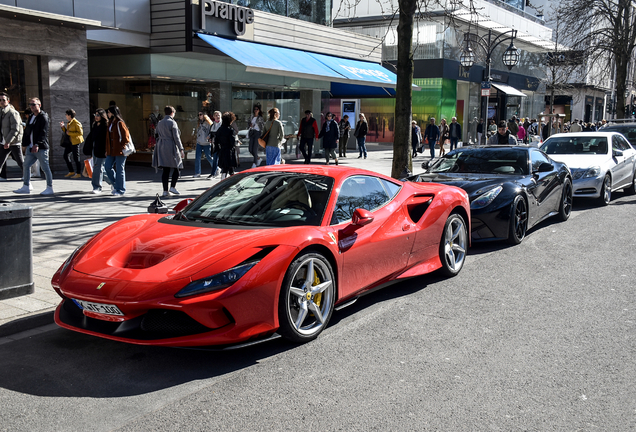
x=317 y=297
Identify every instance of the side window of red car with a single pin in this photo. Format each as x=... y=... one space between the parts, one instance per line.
x=356 y=192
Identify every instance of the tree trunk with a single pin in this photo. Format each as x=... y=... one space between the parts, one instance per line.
x=621 y=81
x=403 y=90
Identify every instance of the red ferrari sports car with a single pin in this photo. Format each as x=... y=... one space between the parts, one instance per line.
x=267 y=252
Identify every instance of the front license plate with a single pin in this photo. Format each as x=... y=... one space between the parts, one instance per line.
x=98 y=307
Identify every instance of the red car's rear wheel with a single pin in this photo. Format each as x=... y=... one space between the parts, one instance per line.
x=306 y=298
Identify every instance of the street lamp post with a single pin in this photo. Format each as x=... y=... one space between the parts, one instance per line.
x=487 y=44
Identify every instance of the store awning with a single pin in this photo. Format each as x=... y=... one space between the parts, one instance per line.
x=510 y=91
x=301 y=64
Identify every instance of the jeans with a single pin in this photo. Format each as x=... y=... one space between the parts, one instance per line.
x=273 y=155
x=431 y=145
x=98 y=173
x=73 y=150
x=207 y=150
x=342 y=149
x=43 y=156
x=309 y=142
x=116 y=176
x=16 y=152
x=362 y=146
x=453 y=143
x=254 y=146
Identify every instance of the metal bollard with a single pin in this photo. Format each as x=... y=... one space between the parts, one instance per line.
x=16 y=271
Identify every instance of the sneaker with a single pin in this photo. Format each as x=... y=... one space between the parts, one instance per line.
x=253 y=166
x=336 y=161
x=196 y=176
x=47 y=191
x=166 y=194
x=359 y=156
x=3 y=179
x=77 y=176
x=97 y=191
x=70 y=174
x=259 y=161
x=116 y=193
x=174 y=191
x=24 y=189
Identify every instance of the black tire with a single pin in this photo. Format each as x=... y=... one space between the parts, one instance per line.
x=453 y=246
x=565 y=208
x=305 y=306
x=518 y=221
x=631 y=189
x=606 y=191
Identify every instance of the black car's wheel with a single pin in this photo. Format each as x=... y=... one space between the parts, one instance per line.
x=566 y=201
x=518 y=221
x=452 y=248
x=631 y=189
x=606 y=191
x=306 y=298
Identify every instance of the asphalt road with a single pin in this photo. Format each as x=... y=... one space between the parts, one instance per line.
x=536 y=337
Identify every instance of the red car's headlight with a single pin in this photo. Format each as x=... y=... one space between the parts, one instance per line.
x=216 y=282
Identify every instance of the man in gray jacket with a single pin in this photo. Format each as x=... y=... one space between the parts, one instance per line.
x=10 y=135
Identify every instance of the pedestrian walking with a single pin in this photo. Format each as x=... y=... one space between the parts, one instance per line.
x=521 y=134
x=444 y=133
x=307 y=131
x=330 y=134
x=492 y=128
x=513 y=127
x=35 y=140
x=117 y=136
x=431 y=134
x=226 y=139
x=480 y=131
x=416 y=138
x=360 y=132
x=503 y=136
x=216 y=124
x=455 y=132
x=274 y=136
x=10 y=135
x=75 y=133
x=257 y=124
x=204 y=147
x=168 y=153
x=344 y=126
x=97 y=140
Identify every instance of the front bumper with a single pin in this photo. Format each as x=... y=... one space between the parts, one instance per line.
x=587 y=187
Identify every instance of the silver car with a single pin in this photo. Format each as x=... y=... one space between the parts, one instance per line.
x=601 y=162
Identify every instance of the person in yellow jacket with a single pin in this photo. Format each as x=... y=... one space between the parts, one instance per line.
x=75 y=134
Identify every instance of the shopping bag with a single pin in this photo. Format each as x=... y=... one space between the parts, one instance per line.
x=35 y=169
x=88 y=167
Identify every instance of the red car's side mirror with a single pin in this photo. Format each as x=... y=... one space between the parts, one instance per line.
x=361 y=217
x=182 y=204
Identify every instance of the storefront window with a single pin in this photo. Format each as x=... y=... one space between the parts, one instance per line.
x=19 y=78
x=315 y=11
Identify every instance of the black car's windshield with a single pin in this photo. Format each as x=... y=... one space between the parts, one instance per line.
x=483 y=161
x=278 y=199
x=575 y=145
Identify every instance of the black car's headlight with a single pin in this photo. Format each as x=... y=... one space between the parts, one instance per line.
x=485 y=199
x=216 y=282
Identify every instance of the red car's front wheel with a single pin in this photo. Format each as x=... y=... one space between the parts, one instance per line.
x=307 y=297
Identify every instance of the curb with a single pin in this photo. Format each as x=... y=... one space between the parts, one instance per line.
x=28 y=322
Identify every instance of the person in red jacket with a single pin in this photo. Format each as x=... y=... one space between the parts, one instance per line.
x=307 y=131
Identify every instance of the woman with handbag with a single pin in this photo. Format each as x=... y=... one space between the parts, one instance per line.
x=444 y=133
x=273 y=137
x=169 y=153
x=216 y=124
x=226 y=140
x=360 y=133
x=75 y=135
x=203 y=144
x=117 y=136
x=257 y=124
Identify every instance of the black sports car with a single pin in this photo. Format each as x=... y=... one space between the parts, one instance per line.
x=511 y=188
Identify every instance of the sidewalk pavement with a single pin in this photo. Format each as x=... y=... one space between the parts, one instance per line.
x=74 y=214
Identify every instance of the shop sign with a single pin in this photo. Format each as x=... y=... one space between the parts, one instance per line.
x=240 y=16
x=485 y=89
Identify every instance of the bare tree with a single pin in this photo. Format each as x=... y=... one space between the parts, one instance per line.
x=604 y=30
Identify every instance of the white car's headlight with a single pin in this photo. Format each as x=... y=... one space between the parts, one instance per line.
x=485 y=199
x=594 y=171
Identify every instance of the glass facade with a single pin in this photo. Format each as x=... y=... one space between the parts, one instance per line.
x=19 y=78
x=315 y=11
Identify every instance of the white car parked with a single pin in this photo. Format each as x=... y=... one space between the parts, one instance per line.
x=600 y=162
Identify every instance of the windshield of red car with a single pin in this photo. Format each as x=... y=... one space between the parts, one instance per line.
x=483 y=161
x=277 y=199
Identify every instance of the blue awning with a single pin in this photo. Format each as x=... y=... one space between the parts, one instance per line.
x=301 y=64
